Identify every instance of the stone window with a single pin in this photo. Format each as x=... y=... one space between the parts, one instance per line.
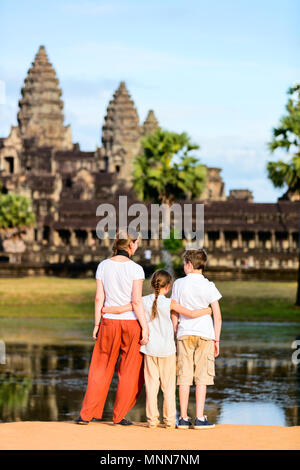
x=65 y=236
x=9 y=165
x=246 y=238
x=81 y=236
x=94 y=235
x=46 y=233
x=105 y=163
x=263 y=237
x=230 y=238
x=212 y=239
x=68 y=183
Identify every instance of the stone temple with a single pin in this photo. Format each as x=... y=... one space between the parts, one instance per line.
x=40 y=161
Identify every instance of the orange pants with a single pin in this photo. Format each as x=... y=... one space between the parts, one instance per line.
x=114 y=337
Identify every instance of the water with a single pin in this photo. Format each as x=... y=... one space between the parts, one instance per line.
x=47 y=362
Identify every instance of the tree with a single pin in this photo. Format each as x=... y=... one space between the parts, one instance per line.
x=166 y=170
x=15 y=212
x=287 y=136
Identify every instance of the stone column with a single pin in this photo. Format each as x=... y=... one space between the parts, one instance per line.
x=290 y=238
x=222 y=240
x=256 y=239
x=56 y=238
x=273 y=240
x=206 y=242
x=106 y=240
x=239 y=238
x=89 y=238
x=73 y=239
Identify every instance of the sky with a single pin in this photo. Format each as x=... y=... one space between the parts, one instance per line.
x=218 y=70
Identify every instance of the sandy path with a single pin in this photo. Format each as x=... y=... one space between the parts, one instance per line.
x=96 y=436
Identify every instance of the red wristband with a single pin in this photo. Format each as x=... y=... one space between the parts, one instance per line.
x=217 y=341
x=102 y=309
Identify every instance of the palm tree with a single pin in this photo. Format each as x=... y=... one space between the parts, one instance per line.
x=287 y=136
x=167 y=171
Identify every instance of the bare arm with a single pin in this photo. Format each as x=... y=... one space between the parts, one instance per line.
x=190 y=313
x=117 y=309
x=138 y=307
x=174 y=319
x=217 y=324
x=99 y=301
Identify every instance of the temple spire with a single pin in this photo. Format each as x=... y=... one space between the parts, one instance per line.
x=151 y=123
x=41 y=108
x=121 y=133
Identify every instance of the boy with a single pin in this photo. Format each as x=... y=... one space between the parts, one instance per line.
x=197 y=338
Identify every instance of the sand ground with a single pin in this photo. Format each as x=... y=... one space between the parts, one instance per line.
x=35 y=435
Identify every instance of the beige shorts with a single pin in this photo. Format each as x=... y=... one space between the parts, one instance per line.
x=195 y=360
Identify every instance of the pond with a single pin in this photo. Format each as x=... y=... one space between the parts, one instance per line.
x=47 y=363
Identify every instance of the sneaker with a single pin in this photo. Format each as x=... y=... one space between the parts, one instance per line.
x=79 y=420
x=203 y=424
x=124 y=422
x=184 y=424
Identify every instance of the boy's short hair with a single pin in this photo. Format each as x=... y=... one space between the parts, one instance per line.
x=198 y=258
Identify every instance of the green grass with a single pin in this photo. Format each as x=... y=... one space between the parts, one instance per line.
x=50 y=297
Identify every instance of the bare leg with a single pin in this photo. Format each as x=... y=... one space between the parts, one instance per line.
x=200 y=400
x=184 y=393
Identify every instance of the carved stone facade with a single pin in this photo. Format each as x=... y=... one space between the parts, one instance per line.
x=65 y=184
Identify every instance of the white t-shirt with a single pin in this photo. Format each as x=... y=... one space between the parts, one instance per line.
x=161 y=334
x=117 y=280
x=195 y=291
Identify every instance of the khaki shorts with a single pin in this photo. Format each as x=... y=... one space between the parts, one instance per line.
x=195 y=360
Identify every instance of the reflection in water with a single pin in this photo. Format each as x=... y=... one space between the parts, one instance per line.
x=256 y=382
x=252 y=413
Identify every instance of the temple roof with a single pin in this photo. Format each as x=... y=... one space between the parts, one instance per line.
x=151 y=123
x=41 y=108
x=121 y=120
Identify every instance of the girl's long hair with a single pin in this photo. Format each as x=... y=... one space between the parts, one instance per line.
x=160 y=279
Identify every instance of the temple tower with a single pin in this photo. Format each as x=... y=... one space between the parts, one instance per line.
x=121 y=135
x=151 y=123
x=41 y=107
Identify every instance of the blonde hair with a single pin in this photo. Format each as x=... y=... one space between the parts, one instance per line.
x=122 y=241
x=159 y=279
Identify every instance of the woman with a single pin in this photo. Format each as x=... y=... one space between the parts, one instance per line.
x=119 y=282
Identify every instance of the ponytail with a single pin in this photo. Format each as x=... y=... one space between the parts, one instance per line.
x=160 y=279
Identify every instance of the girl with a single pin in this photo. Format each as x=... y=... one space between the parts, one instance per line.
x=160 y=351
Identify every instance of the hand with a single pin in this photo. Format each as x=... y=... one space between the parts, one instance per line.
x=145 y=336
x=217 y=349
x=95 y=332
x=210 y=311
